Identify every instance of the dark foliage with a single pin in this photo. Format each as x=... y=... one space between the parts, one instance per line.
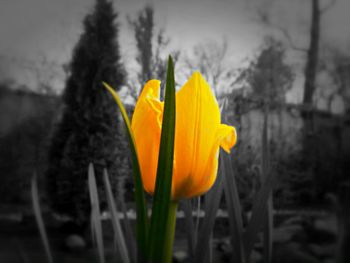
x=26 y=118
x=150 y=46
x=22 y=153
x=88 y=128
x=268 y=76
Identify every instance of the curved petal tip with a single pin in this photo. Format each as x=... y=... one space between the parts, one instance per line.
x=227 y=137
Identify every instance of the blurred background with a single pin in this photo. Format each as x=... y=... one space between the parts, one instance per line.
x=285 y=62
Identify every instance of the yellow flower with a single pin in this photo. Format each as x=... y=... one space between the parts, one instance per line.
x=198 y=136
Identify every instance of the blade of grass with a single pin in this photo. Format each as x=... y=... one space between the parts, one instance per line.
x=196 y=229
x=92 y=217
x=267 y=252
x=233 y=207
x=22 y=255
x=163 y=208
x=258 y=215
x=95 y=213
x=39 y=219
x=342 y=204
x=233 y=202
x=211 y=207
x=187 y=206
x=210 y=251
x=209 y=257
x=268 y=231
x=118 y=233
x=130 y=240
x=141 y=208
x=259 y=210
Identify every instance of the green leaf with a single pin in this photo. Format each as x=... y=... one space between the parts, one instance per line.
x=96 y=225
x=163 y=208
x=141 y=208
x=118 y=233
x=233 y=207
x=39 y=219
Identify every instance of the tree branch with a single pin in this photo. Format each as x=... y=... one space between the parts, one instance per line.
x=328 y=6
x=286 y=34
x=263 y=17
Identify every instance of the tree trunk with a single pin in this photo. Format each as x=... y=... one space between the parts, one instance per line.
x=310 y=79
x=312 y=54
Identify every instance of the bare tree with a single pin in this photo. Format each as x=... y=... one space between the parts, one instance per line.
x=311 y=64
x=311 y=52
x=150 y=49
x=210 y=59
x=143 y=27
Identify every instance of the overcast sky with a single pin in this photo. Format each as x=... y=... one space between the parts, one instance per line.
x=36 y=29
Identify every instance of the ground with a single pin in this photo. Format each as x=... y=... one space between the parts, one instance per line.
x=302 y=236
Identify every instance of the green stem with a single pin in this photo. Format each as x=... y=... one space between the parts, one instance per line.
x=170 y=232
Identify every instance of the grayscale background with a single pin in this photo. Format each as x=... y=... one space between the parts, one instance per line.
x=284 y=62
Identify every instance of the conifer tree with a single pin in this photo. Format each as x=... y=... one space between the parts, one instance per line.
x=88 y=128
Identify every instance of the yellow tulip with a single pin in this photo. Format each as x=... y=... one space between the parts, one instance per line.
x=198 y=136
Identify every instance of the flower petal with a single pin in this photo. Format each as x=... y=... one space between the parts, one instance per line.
x=197 y=120
x=226 y=137
x=209 y=176
x=146 y=126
